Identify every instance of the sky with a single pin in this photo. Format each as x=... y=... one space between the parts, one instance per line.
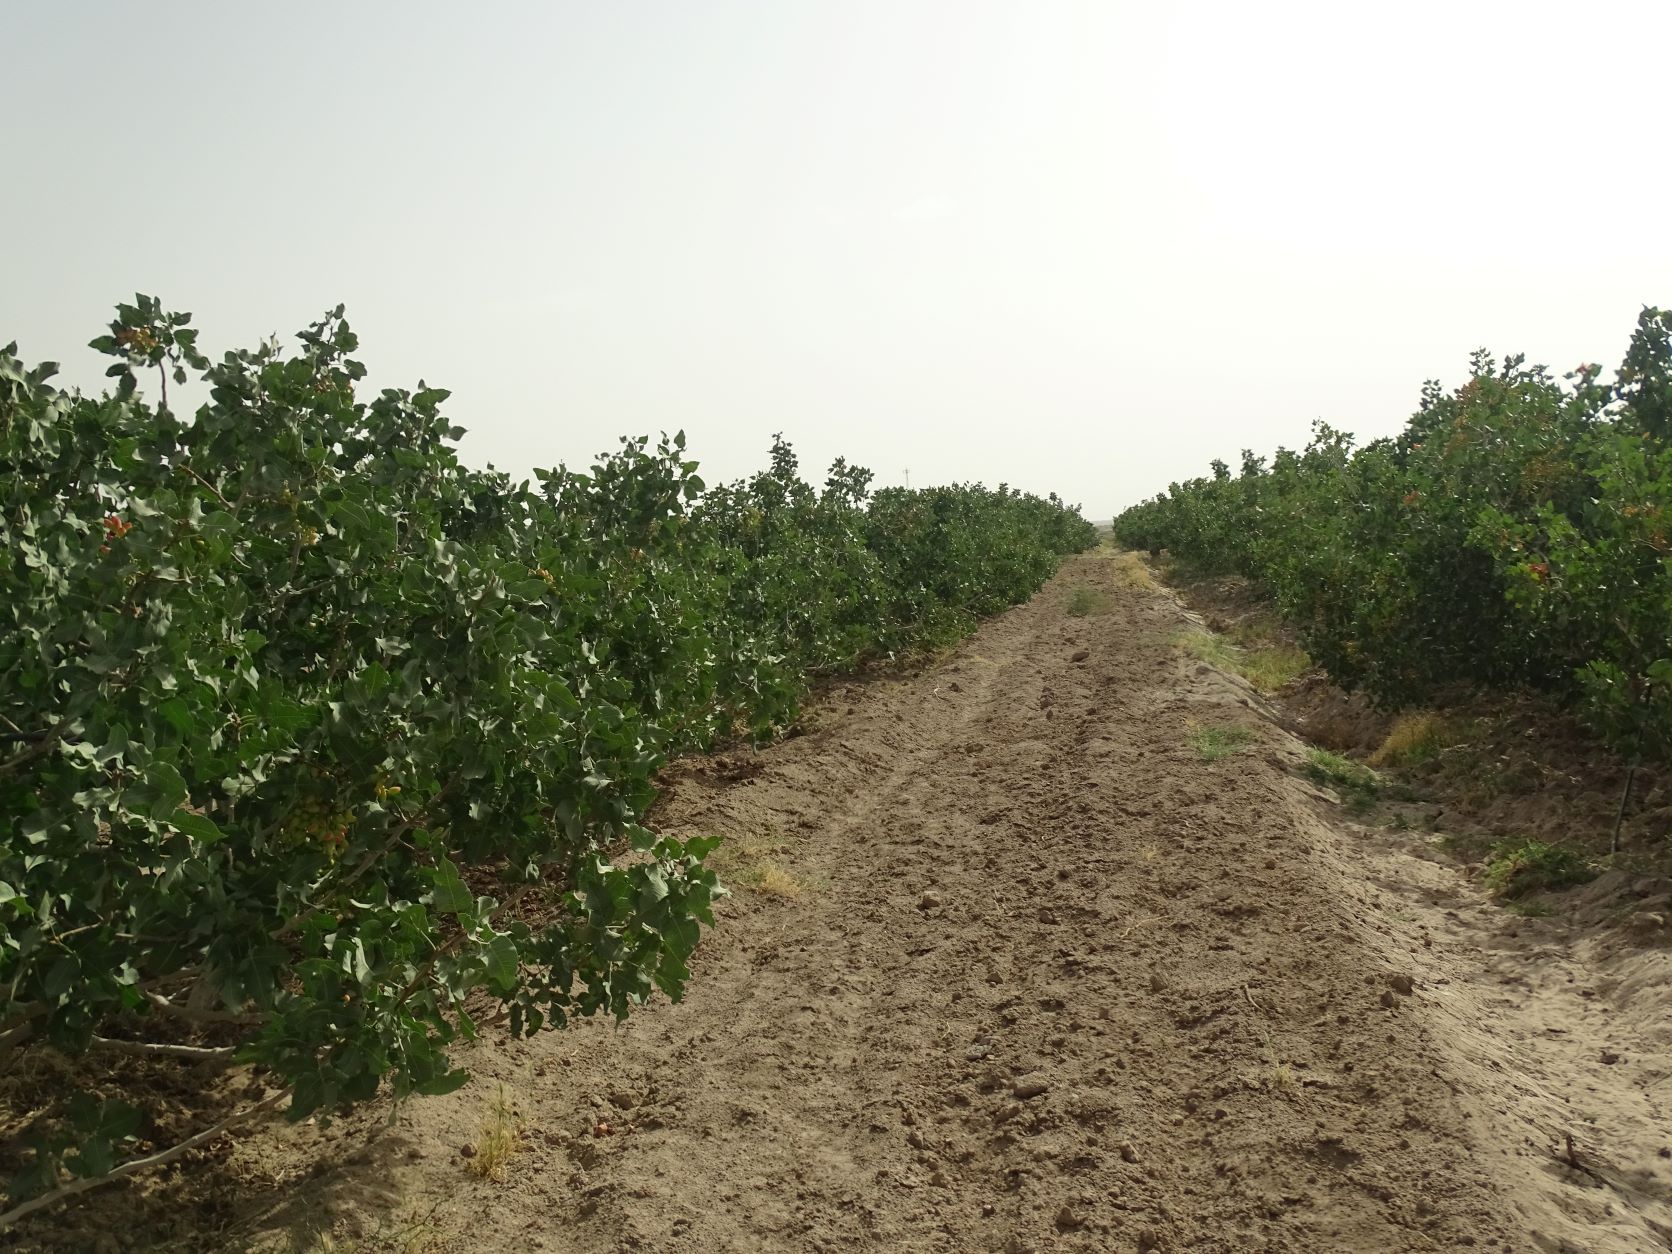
x=1078 y=246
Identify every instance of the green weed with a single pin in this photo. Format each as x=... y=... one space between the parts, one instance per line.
x=1213 y=743
x=1358 y=785
x=1518 y=867
x=1086 y=600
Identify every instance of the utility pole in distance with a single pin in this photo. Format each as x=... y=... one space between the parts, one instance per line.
x=908 y=478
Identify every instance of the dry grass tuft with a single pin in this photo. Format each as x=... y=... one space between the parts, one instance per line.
x=1129 y=571
x=1415 y=737
x=405 y=1231
x=1269 y=666
x=412 y=1236
x=777 y=882
x=497 y=1139
x=751 y=860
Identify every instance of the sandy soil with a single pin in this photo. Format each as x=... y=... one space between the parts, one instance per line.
x=1039 y=977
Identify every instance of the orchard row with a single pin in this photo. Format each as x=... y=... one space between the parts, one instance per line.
x=1515 y=534
x=315 y=743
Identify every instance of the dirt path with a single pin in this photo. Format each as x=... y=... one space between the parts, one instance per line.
x=1052 y=982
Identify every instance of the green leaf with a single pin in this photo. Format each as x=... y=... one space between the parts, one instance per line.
x=653 y=885
x=308 y=1096
x=119 y=1120
x=355 y=963
x=442 y=1085
x=502 y=963
x=61 y=976
x=179 y=715
x=93 y=1157
x=449 y=894
x=353 y=513
x=115 y=743
x=196 y=825
x=168 y=789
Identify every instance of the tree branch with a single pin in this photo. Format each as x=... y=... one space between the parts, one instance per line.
x=15 y=1036
x=40 y=744
x=22 y=1014
x=136 y=1165
x=167 y=1007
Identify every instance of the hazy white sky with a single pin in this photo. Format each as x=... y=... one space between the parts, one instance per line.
x=1080 y=247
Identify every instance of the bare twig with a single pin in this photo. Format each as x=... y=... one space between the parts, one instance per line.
x=1620 y=814
x=196 y=1053
x=213 y=490
x=1571 y=1158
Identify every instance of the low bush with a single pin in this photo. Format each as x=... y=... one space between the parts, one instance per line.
x=1516 y=868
